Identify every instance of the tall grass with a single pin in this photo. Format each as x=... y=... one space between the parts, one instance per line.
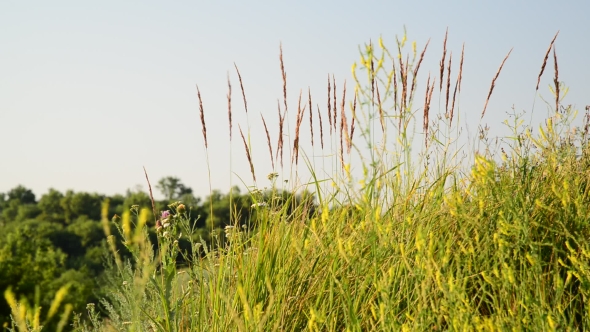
x=419 y=239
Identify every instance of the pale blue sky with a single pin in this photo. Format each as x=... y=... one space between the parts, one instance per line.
x=91 y=92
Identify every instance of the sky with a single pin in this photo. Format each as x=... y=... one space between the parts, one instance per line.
x=92 y=92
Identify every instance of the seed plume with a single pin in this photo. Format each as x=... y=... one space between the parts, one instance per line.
x=395 y=102
x=380 y=106
x=284 y=75
x=343 y=122
x=248 y=154
x=415 y=73
x=494 y=83
x=321 y=129
x=242 y=88
x=268 y=141
x=442 y=61
x=334 y=107
x=280 y=140
x=545 y=60
x=300 y=113
x=352 y=123
x=556 y=80
x=461 y=67
x=202 y=113
x=427 y=98
x=329 y=105
x=229 y=106
x=448 y=84
x=310 y=114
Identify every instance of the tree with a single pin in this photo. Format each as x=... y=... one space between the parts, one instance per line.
x=26 y=196
x=136 y=198
x=81 y=204
x=51 y=208
x=28 y=260
x=3 y=201
x=27 y=211
x=116 y=205
x=10 y=210
x=172 y=188
x=14 y=200
x=224 y=213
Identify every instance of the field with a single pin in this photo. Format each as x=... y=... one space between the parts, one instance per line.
x=412 y=231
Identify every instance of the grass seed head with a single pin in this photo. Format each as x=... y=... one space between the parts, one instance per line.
x=545 y=60
x=494 y=83
x=202 y=114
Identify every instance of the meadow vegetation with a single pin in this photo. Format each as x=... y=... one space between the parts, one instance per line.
x=408 y=232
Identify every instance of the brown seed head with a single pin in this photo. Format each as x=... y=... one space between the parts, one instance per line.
x=494 y=83
x=248 y=155
x=442 y=60
x=268 y=141
x=202 y=113
x=242 y=88
x=545 y=60
x=229 y=106
x=556 y=80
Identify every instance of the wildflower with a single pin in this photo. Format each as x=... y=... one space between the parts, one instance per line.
x=181 y=209
x=165 y=234
x=165 y=219
x=158 y=225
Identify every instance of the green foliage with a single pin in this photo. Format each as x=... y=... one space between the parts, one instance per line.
x=117 y=205
x=51 y=208
x=22 y=194
x=81 y=204
x=90 y=232
x=10 y=210
x=28 y=260
x=138 y=198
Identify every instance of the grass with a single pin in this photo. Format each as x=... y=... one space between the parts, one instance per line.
x=422 y=240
